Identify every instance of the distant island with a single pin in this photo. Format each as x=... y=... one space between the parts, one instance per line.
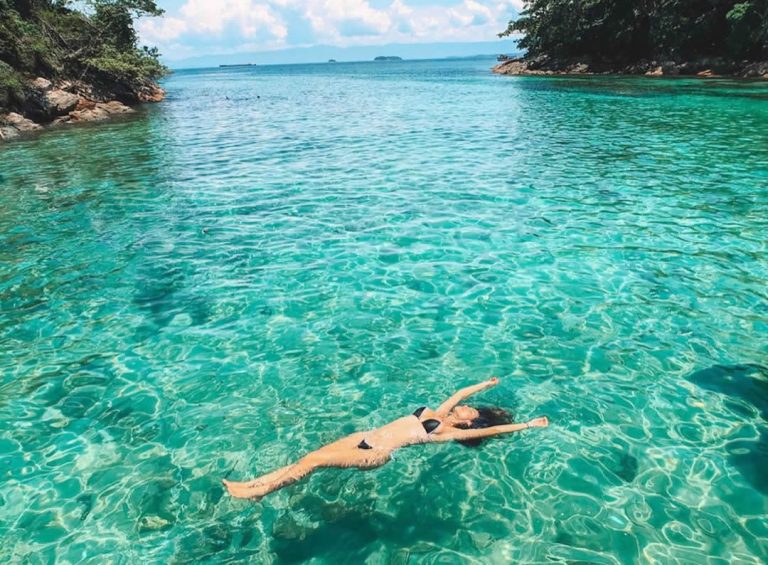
x=61 y=65
x=238 y=65
x=651 y=38
x=331 y=60
x=387 y=58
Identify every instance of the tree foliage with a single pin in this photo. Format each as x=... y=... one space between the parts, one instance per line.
x=630 y=30
x=89 y=40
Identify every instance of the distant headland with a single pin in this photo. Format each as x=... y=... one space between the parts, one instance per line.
x=387 y=58
x=728 y=38
x=55 y=70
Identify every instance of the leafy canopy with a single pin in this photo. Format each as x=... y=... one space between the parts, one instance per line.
x=90 y=40
x=630 y=30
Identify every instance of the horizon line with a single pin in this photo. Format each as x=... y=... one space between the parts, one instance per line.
x=335 y=62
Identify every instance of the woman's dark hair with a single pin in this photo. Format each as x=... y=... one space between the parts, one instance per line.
x=488 y=417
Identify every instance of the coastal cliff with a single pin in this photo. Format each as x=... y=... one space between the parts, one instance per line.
x=60 y=65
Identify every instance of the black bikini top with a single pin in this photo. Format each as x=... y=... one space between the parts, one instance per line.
x=429 y=425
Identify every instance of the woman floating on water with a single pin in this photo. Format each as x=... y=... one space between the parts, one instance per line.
x=366 y=450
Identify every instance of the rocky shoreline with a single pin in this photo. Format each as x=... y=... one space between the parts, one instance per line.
x=50 y=104
x=706 y=68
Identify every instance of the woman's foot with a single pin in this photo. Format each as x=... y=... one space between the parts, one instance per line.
x=251 y=490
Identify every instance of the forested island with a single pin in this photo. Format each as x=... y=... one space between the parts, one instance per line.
x=65 y=61
x=654 y=37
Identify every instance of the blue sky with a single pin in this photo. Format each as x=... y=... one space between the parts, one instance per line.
x=191 y=28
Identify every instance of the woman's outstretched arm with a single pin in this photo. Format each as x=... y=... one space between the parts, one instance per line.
x=458 y=435
x=451 y=403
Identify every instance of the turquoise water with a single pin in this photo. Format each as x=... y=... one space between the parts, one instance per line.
x=279 y=255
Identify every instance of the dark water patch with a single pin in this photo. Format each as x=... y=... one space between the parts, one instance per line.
x=156 y=289
x=86 y=502
x=156 y=505
x=128 y=410
x=205 y=545
x=163 y=293
x=349 y=528
x=622 y=464
x=750 y=457
x=748 y=384
x=41 y=527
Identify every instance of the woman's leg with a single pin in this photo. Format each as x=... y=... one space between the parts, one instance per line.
x=351 y=457
x=258 y=480
x=268 y=483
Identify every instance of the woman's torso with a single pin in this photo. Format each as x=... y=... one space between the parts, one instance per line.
x=404 y=431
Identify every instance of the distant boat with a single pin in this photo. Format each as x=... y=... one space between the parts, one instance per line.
x=239 y=65
x=387 y=58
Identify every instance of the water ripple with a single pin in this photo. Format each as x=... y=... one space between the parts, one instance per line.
x=278 y=255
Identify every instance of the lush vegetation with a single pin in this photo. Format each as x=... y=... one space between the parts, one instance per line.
x=89 y=40
x=633 y=30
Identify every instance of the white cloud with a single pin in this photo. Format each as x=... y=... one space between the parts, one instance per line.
x=228 y=25
x=158 y=30
x=211 y=18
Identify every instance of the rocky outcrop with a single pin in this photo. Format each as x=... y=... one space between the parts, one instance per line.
x=522 y=66
x=756 y=70
x=13 y=124
x=150 y=93
x=703 y=68
x=89 y=111
x=45 y=102
x=61 y=102
x=69 y=102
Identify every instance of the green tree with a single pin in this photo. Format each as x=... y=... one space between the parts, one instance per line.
x=629 y=30
x=90 y=40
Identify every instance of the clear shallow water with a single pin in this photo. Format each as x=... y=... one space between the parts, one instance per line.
x=279 y=255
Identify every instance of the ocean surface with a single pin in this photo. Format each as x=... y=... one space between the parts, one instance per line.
x=276 y=256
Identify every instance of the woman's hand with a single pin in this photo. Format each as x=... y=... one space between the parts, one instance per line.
x=493 y=381
x=539 y=422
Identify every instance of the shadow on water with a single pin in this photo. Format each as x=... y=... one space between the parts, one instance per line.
x=743 y=384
